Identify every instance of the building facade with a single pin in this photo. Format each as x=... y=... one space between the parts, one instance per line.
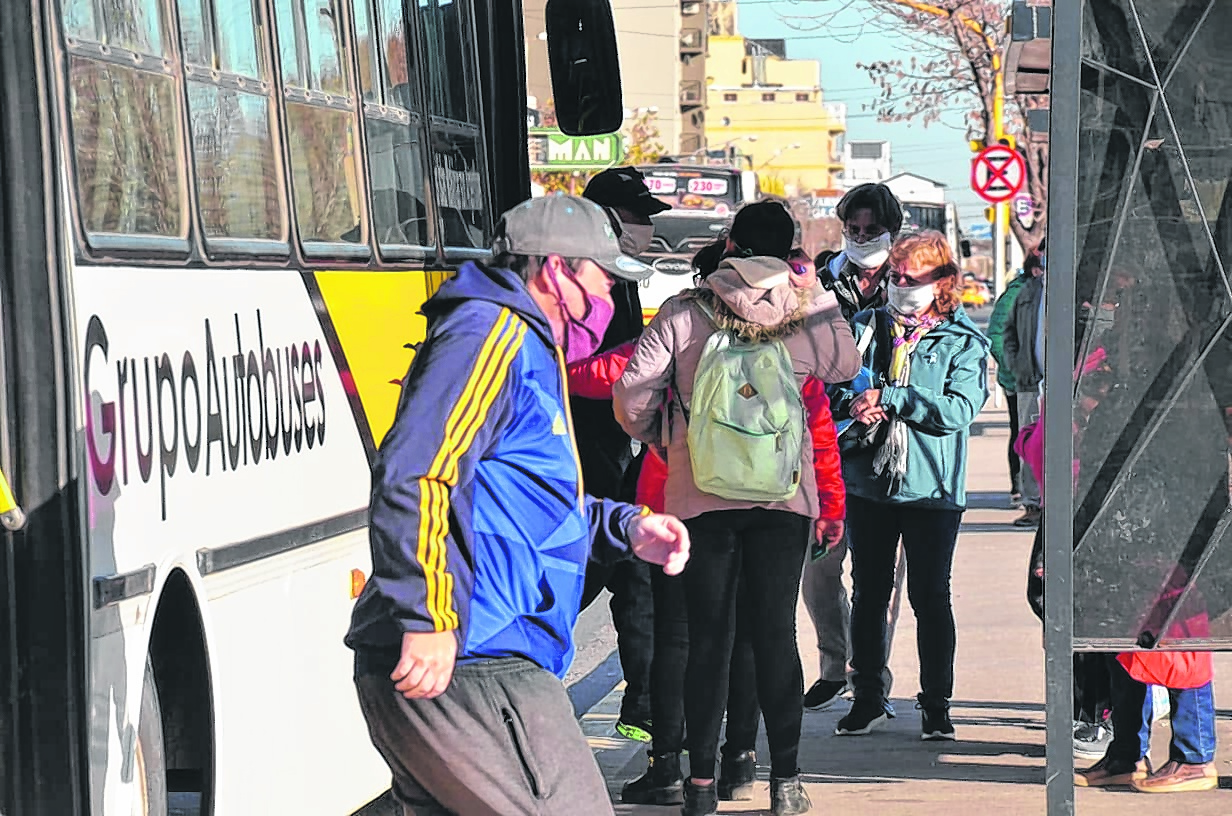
x=866 y=161
x=772 y=108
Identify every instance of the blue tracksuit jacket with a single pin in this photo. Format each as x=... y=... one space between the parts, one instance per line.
x=478 y=520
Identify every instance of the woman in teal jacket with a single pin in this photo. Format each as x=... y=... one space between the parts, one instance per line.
x=930 y=376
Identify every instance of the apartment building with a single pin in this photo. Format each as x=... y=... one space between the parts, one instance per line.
x=772 y=109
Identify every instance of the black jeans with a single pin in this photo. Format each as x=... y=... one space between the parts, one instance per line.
x=766 y=549
x=928 y=536
x=667 y=673
x=633 y=616
x=1011 y=402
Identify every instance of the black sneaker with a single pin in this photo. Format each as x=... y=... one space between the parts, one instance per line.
x=787 y=797
x=862 y=719
x=935 y=722
x=823 y=694
x=700 y=800
x=736 y=777
x=1091 y=740
x=662 y=784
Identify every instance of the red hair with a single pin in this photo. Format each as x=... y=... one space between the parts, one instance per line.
x=928 y=249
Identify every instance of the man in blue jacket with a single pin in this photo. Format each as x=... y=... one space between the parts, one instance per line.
x=480 y=531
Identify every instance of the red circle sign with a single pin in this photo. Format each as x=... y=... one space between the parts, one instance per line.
x=998 y=174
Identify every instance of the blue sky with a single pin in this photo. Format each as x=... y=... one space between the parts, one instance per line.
x=937 y=152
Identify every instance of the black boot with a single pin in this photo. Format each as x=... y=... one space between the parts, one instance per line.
x=700 y=800
x=736 y=777
x=662 y=784
x=787 y=797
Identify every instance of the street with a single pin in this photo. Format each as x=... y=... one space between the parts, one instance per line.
x=997 y=764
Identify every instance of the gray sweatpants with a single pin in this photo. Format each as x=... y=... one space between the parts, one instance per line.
x=825 y=598
x=501 y=741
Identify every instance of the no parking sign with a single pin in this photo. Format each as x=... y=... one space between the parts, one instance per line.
x=998 y=173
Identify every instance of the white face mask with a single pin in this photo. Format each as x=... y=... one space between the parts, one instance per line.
x=910 y=300
x=871 y=254
x=635 y=238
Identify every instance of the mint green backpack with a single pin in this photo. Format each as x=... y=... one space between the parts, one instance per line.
x=746 y=423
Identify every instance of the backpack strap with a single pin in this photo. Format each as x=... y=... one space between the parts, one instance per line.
x=706 y=310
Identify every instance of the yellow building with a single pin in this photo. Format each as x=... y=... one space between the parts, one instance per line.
x=770 y=108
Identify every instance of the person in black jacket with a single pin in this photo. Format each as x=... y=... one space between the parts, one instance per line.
x=609 y=464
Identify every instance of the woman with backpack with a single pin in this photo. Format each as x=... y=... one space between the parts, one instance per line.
x=714 y=382
x=929 y=381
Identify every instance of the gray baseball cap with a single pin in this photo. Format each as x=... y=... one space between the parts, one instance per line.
x=568 y=226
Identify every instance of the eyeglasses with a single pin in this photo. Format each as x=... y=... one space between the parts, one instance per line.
x=868 y=233
x=902 y=277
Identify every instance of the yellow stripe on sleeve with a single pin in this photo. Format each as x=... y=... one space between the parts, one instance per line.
x=487 y=377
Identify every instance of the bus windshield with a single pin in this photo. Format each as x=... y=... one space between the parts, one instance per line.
x=695 y=189
x=917 y=217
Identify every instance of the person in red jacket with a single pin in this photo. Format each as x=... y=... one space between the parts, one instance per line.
x=662 y=784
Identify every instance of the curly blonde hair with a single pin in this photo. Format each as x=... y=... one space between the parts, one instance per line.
x=929 y=249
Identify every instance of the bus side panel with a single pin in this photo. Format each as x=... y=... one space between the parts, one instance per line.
x=218 y=435
x=283 y=685
x=376 y=318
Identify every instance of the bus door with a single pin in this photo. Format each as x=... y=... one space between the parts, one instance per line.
x=43 y=759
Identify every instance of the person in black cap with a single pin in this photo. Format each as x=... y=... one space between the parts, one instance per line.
x=609 y=466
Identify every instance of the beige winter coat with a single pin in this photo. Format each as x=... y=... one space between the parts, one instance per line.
x=754 y=298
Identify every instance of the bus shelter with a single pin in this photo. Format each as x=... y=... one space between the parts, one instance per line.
x=1139 y=313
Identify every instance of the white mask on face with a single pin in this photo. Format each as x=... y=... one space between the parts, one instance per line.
x=910 y=300
x=635 y=238
x=871 y=254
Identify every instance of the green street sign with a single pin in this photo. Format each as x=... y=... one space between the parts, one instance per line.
x=552 y=150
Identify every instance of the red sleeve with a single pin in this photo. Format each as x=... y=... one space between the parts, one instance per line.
x=594 y=377
x=652 y=481
x=827 y=463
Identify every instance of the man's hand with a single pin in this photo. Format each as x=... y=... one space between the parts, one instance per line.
x=830 y=533
x=427 y=664
x=660 y=539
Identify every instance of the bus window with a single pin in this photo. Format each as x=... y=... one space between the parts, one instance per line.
x=395 y=132
x=123 y=100
x=135 y=25
x=229 y=99
x=80 y=21
x=457 y=159
x=321 y=129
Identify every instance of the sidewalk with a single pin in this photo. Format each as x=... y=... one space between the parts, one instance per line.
x=997 y=765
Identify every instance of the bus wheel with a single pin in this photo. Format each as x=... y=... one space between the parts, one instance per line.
x=150 y=774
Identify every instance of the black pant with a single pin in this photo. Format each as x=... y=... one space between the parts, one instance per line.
x=1011 y=402
x=1092 y=686
x=632 y=614
x=667 y=673
x=766 y=548
x=928 y=536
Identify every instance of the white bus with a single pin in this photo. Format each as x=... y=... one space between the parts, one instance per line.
x=219 y=220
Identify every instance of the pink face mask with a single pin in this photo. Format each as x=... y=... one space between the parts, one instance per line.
x=583 y=336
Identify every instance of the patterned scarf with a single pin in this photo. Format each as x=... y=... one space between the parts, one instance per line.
x=907 y=332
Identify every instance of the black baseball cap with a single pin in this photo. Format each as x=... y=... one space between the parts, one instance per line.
x=624 y=187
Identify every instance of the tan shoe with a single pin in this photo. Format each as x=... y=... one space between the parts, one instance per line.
x=1106 y=774
x=1179 y=777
